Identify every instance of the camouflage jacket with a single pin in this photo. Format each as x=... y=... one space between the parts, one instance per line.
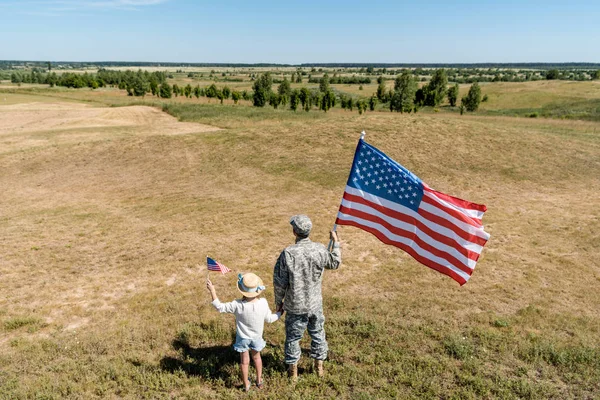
x=298 y=275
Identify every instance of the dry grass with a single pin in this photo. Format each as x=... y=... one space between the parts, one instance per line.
x=101 y=295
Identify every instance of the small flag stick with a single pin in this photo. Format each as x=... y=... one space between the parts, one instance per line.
x=330 y=245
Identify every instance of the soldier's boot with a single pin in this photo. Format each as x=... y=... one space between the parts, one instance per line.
x=319 y=368
x=293 y=372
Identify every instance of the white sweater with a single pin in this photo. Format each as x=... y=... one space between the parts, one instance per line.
x=250 y=317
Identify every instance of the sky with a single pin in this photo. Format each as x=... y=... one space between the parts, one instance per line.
x=294 y=32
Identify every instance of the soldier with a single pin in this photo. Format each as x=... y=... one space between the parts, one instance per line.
x=297 y=283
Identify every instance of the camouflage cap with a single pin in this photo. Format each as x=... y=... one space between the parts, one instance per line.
x=301 y=224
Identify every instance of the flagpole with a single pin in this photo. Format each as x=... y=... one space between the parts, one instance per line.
x=330 y=245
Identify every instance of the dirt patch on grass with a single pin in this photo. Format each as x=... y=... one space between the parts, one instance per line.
x=38 y=124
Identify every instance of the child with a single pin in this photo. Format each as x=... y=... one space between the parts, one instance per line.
x=250 y=313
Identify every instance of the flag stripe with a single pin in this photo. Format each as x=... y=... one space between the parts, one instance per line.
x=432 y=220
x=214 y=265
x=430 y=261
x=457 y=212
x=407 y=237
x=471 y=208
x=413 y=227
x=439 y=233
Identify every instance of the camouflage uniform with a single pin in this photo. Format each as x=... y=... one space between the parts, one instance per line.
x=297 y=280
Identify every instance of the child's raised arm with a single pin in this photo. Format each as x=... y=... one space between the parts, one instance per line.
x=221 y=307
x=211 y=289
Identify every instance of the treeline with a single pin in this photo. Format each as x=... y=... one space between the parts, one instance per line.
x=408 y=97
x=335 y=79
x=405 y=97
x=9 y=64
x=137 y=83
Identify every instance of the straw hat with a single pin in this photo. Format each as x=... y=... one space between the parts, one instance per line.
x=250 y=285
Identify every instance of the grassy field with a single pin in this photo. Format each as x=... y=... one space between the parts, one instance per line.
x=105 y=227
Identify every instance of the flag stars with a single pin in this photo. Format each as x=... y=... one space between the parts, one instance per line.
x=372 y=180
x=380 y=178
x=389 y=191
x=385 y=185
x=369 y=175
x=378 y=187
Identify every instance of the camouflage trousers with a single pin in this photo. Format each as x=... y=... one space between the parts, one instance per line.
x=295 y=325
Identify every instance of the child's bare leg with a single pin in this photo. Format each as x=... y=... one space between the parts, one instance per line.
x=257 y=364
x=244 y=363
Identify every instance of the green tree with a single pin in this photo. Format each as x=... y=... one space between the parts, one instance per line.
x=473 y=98
x=188 y=90
x=405 y=88
x=176 y=89
x=262 y=90
x=284 y=90
x=235 y=95
x=596 y=74
x=197 y=91
x=275 y=100
x=154 y=87
x=294 y=99
x=52 y=79
x=324 y=83
x=453 y=95
x=226 y=92
x=328 y=100
x=436 y=89
x=381 y=95
x=211 y=91
x=552 y=74
x=305 y=98
x=165 y=90
x=372 y=102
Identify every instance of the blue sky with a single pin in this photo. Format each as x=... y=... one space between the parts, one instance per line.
x=301 y=31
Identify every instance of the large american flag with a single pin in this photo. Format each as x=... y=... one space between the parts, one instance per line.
x=440 y=231
x=216 y=266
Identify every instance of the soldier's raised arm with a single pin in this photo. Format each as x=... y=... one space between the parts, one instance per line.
x=334 y=257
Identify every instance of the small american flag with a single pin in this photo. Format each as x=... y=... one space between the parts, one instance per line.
x=216 y=266
x=440 y=231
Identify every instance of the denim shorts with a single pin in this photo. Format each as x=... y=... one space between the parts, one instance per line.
x=241 y=345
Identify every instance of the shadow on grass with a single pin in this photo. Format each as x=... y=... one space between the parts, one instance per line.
x=213 y=362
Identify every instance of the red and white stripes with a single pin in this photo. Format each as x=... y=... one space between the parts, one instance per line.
x=445 y=233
